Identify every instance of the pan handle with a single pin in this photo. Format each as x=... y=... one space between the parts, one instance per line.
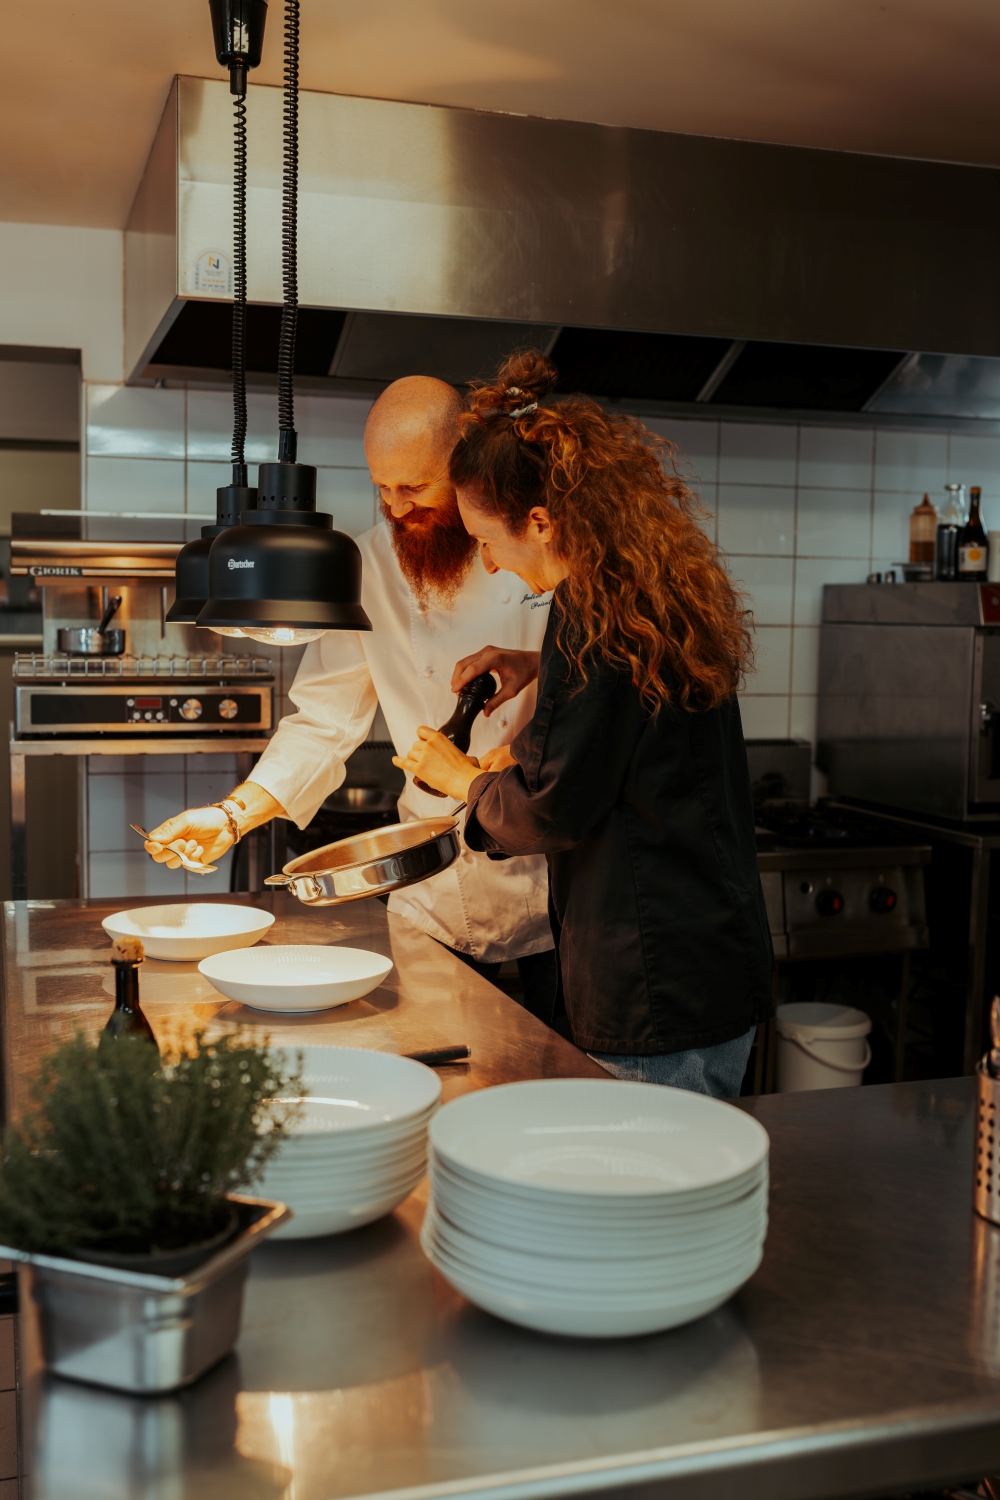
x=277 y=880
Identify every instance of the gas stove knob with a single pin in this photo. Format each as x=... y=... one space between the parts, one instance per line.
x=228 y=708
x=191 y=708
x=882 y=899
x=829 y=903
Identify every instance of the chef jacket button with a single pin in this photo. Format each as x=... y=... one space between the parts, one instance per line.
x=428 y=671
x=505 y=599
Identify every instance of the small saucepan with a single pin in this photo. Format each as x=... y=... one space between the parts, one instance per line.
x=88 y=641
x=372 y=863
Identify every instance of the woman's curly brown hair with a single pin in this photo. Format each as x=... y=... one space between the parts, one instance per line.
x=646 y=590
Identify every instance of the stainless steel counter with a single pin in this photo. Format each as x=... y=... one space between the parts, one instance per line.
x=863 y=1356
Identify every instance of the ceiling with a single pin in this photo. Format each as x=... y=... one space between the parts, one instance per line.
x=907 y=77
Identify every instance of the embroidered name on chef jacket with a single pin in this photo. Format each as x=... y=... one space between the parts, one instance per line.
x=538 y=601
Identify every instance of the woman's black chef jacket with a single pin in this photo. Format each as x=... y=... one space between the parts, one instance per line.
x=648 y=827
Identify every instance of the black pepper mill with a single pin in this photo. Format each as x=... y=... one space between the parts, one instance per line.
x=472 y=699
x=127 y=1019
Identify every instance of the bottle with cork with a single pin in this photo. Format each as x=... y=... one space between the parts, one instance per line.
x=923 y=532
x=127 y=1019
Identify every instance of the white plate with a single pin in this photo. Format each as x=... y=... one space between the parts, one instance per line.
x=574 y=1211
x=586 y=1320
x=608 y=1298
x=340 y=1216
x=575 y=1214
x=336 y=1176
x=500 y=1230
x=184 y=931
x=604 y=1279
x=296 y=976
x=581 y=1139
x=367 y=1096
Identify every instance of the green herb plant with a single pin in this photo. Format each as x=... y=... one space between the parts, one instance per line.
x=121 y=1150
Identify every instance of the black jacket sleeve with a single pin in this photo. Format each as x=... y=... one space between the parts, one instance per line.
x=572 y=758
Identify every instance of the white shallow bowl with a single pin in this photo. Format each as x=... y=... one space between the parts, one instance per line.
x=296 y=976
x=360 y=1146
x=611 y=1279
x=334 y=1213
x=579 y=1139
x=184 y=931
x=718 y=1229
x=617 y=1214
x=366 y=1095
x=586 y=1318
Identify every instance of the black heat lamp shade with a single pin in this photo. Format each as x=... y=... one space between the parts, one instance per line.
x=191 y=566
x=277 y=573
x=283 y=568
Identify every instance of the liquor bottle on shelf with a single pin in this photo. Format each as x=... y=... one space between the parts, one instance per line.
x=946 y=540
x=973 y=543
x=127 y=1019
x=923 y=530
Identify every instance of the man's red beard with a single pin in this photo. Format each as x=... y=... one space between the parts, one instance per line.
x=433 y=549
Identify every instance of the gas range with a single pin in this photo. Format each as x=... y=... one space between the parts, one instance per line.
x=139 y=695
x=838 y=881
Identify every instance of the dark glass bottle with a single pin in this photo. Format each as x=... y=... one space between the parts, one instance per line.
x=973 y=543
x=127 y=1018
x=946 y=541
x=471 y=702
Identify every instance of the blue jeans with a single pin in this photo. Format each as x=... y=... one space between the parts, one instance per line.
x=703 y=1070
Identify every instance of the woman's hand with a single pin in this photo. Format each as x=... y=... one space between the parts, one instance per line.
x=435 y=759
x=202 y=832
x=498 y=759
x=515 y=670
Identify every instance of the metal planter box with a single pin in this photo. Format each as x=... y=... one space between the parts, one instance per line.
x=138 y=1333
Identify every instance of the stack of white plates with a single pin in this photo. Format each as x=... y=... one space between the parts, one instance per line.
x=359 y=1146
x=596 y=1209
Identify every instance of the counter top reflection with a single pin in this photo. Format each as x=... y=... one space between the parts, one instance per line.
x=864 y=1355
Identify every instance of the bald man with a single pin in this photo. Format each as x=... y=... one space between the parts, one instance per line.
x=430 y=603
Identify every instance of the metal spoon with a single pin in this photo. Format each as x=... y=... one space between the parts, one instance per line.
x=189 y=864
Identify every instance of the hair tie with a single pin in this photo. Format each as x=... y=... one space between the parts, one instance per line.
x=522 y=411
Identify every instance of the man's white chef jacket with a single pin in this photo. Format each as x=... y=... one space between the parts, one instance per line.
x=489 y=909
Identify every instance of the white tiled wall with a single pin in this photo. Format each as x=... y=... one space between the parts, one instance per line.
x=168 y=451
x=793 y=507
x=796 y=507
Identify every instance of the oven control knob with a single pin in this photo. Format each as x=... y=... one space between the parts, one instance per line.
x=829 y=903
x=882 y=899
x=191 y=708
x=228 y=708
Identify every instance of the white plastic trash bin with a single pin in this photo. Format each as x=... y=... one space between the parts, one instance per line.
x=821 y=1046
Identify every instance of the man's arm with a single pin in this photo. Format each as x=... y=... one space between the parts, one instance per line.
x=206 y=833
x=302 y=763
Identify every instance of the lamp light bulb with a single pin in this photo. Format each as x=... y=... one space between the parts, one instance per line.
x=283 y=635
x=224 y=630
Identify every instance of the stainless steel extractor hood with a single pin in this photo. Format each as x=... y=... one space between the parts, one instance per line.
x=661 y=267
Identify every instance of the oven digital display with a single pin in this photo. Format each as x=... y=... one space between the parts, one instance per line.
x=149 y=703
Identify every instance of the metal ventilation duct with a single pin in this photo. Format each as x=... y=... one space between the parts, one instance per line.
x=667 y=268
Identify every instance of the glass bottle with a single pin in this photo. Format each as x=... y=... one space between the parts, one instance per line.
x=127 y=1019
x=923 y=531
x=946 y=540
x=471 y=701
x=973 y=543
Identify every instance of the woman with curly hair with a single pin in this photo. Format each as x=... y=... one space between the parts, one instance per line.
x=632 y=775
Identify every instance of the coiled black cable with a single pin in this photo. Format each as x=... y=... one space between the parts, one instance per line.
x=288 y=438
x=239 y=289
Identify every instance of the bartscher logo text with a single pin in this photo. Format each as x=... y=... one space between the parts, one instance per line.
x=239 y=562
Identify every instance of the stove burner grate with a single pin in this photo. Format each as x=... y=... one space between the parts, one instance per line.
x=793 y=826
x=30 y=665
